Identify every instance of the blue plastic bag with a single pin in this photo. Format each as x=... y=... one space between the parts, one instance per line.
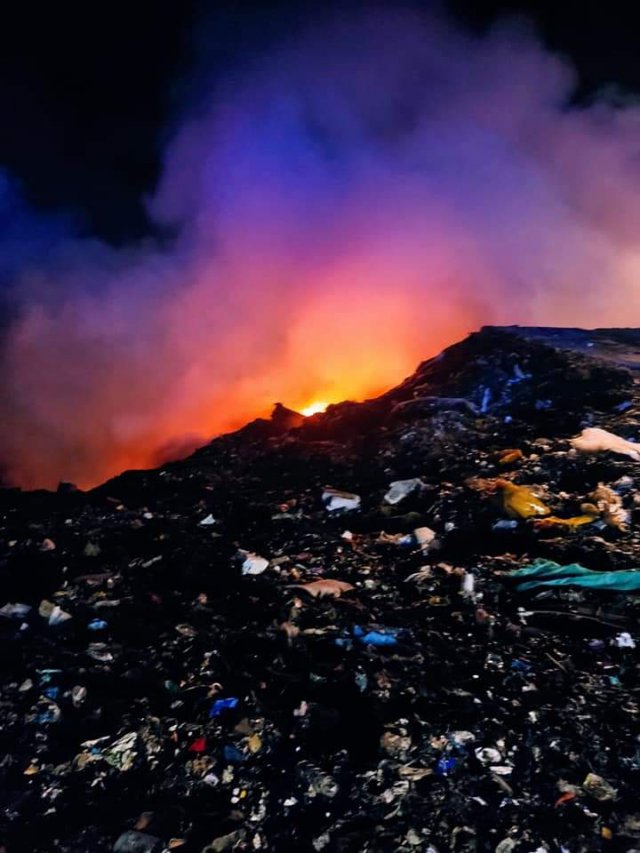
x=221 y=705
x=376 y=638
x=233 y=755
x=445 y=766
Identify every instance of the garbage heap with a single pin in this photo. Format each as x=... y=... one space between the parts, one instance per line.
x=408 y=624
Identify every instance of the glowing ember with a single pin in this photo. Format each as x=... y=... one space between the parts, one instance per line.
x=314 y=409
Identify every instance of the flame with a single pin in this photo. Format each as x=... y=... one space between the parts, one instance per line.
x=314 y=408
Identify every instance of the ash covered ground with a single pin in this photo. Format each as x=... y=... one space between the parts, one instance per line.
x=268 y=646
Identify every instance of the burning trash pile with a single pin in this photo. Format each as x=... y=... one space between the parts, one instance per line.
x=403 y=625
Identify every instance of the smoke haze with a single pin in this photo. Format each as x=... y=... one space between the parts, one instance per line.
x=343 y=207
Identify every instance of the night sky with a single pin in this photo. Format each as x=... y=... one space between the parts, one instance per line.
x=89 y=91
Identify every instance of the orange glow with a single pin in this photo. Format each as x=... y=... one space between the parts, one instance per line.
x=354 y=337
x=330 y=218
x=314 y=409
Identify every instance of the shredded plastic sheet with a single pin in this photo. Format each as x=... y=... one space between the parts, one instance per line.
x=596 y=440
x=572 y=523
x=400 y=489
x=334 y=499
x=548 y=573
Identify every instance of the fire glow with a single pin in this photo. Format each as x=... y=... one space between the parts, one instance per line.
x=339 y=218
x=314 y=409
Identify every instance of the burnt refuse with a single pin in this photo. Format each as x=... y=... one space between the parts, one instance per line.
x=408 y=624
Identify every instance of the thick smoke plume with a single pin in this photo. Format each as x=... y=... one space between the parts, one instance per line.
x=343 y=207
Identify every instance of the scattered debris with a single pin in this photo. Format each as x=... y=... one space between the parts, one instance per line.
x=400 y=489
x=520 y=501
x=325 y=587
x=425 y=537
x=165 y=689
x=336 y=500
x=253 y=564
x=609 y=505
x=596 y=440
x=548 y=573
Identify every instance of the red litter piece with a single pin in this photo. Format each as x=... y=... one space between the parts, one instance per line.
x=199 y=745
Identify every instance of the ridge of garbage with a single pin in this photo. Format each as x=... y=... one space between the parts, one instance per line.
x=407 y=624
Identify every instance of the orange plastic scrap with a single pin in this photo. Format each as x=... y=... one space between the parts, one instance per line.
x=573 y=522
x=326 y=586
x=508 y=456
x=565 y=798
x=520 y=501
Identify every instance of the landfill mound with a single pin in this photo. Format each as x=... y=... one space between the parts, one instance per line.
x=408 y=624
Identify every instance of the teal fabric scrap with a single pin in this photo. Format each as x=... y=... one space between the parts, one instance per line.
x=548 y=573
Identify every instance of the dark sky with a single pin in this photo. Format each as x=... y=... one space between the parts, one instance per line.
x=88 y=91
